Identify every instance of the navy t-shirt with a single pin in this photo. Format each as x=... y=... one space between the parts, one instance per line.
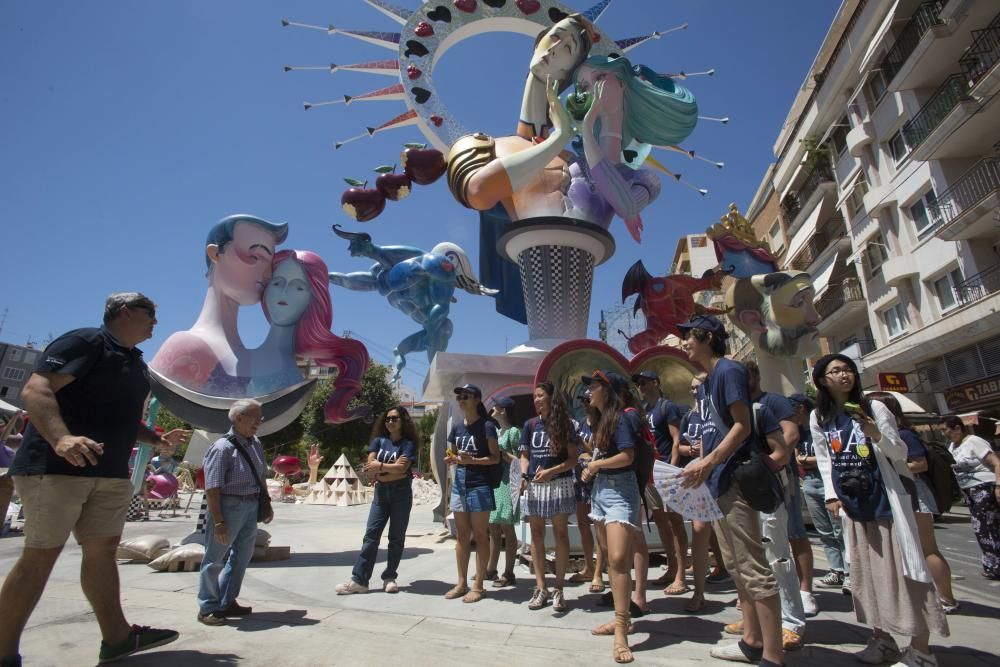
x=726 y=385
x=690 y=430
x=387 y=451
x=915 y=448
x=806 y=448
x=844 y=435
x=535 y=443
x=104 y=402
x=661 y=416
x=473 y=440
x=628 y=431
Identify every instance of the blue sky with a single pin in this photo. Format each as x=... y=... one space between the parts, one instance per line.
x=129 y=128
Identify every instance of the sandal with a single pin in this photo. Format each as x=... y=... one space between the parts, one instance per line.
x=676 y=589
x=473 y=596
x=580 y=578
x=596 y=587
x=608 y=629
x=622 y=652
x=458 y=591
x=490 y=575
x=665 y=579
x=504 y=580
x=695 y=604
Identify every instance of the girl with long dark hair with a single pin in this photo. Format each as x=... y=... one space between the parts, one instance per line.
x=504 y=517
x=391 y=454
x=472 y=447
x=615 y=497
x=916 y=461
x=593 y=554
x=548 y=455
x=977 y=468
x=861 y=458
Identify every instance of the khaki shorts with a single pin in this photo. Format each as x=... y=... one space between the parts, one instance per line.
x=57 y=505
x=742 y=547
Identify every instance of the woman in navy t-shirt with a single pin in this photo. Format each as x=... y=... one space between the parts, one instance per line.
x=593 y=555
x=391 y=455
x=472 y=449
x=548 y=455
x=860 y=456
x=614 y=500
x=916 y=461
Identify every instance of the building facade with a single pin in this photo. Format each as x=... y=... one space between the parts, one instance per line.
x=888 y=187
x=16 y=364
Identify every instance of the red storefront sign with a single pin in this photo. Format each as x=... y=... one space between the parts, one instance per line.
x=893 y=382
x=973 y=393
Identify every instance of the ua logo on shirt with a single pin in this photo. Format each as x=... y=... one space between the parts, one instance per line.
x=539 y=441
x=836 y=439
x=466 y=443
x=384 y=456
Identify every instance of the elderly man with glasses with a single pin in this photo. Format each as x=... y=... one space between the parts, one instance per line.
x=234 y=477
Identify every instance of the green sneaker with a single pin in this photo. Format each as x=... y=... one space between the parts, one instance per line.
x=141 y=637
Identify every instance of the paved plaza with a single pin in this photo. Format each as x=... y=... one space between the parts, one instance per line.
x=299 y=620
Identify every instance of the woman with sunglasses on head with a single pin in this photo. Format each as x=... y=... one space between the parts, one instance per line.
x=916 y=461
x=504 y=517
x=472 y=448
x=391 y=454
x=862 y=458
x=615 y=497
x=977 y=469
x=548 y=455
x=593 y=554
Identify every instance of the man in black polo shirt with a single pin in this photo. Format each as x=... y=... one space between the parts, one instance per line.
x=85 y=401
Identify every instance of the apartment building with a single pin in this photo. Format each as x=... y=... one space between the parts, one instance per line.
x=887 y=181
x=16 y=364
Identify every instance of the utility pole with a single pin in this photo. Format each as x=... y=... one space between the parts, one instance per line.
x=602 y=328
x=3 y=319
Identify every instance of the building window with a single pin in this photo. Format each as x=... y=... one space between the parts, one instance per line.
x=945 y=289
x=29 y=357
x=775 y=239
x=699 y=241
x=15 y=354
x=875 y=88
x=838 y=137
x=898 y=147
x=876 y=253
x=925 y=213
x=3 y=392
x=856 y=198
x=895 y=319
x=15 y=374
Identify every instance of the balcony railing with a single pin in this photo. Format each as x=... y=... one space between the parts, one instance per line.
x=837 y=295
x=979 y=286
x=983 y=53
x=967 y=191
x=865 y=345
x=829 y=233
x=926 y=15
x=954 y=89
x=791 y=205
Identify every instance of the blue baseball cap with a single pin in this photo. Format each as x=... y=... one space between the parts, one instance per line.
x=705 y=323
x=645 y=375
x=610 y=378
x=503 y=402
x=471 y=388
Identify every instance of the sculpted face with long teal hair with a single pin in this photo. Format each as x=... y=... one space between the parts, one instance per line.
x=656 y=111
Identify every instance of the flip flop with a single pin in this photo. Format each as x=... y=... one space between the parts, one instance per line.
x=597 y=588
x=473 y=596
x=676 y=589
x=580 y=578
x=504 y=580
x=665 y=579
x=456 y=592
x=608 y=629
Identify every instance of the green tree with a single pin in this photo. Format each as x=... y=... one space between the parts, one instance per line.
x=425 y=426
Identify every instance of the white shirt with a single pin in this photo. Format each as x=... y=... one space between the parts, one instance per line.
x=969 y=468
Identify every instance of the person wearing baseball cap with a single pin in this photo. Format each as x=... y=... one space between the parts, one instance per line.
x=615 y=496
x=726 y=437
x=505 y=516
x=472 y=448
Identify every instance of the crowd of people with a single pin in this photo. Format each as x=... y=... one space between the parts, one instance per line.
x=870 y=484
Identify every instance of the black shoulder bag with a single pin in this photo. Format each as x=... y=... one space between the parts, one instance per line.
x=758 y=484
x=264 y=510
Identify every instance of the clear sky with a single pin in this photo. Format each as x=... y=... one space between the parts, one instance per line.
x=129 y=128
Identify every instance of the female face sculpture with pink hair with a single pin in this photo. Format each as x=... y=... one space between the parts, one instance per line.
x=297 y=304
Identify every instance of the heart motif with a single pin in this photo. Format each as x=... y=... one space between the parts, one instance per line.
x=437 y=120
x=423 y=29
x=467 y=6
x=529 y=7
x=421 y=95
x=495 y=4
x=556 y=15
x=415 y=48
x=566 y=363
x=440 y=13
x=413 y=72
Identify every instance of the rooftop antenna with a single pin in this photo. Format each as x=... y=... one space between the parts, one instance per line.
x=3 y=319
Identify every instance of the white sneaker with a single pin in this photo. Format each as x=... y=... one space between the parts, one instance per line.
x=390 y=586
x=809 y=605
x=878 y=651
x=738 y=652
x=350 y=588
x=913 y=658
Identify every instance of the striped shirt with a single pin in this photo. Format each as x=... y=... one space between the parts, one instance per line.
x=226 y=469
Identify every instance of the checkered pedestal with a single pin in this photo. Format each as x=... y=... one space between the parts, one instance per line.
x=556 y=257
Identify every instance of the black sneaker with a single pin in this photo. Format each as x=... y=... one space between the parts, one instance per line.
x=11 y=661
x=213 y=618
x=141 y=637
x=236 y=609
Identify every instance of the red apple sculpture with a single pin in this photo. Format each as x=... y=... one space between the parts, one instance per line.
x=360 y=202
x=393 y=186
x=423 y=165
x=467 y=6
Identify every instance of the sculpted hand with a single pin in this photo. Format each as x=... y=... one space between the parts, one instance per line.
x=79 y=450
x=562 y=123
x=315 y=458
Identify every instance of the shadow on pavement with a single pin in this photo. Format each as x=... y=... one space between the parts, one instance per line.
x=698 y=630
x=266 y=620
x=975 y=609
x=828 y=631
x=429 y=587
x=187 y=658
x=958 y=656
x=335 y=559
x=834 y=601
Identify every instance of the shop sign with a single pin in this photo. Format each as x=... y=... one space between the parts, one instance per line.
x=893 y=382
x=973 y=393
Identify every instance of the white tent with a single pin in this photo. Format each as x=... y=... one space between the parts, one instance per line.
x=908 y=405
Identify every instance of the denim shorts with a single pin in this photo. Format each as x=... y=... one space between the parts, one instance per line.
x=471 y=499
x=796 y=524
x=615 y=499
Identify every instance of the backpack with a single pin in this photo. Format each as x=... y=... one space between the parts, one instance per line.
x=940 y=476
x=645 y=455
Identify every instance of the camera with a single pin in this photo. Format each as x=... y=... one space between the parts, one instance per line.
x=856 y=483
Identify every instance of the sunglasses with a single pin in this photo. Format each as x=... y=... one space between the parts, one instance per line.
x=148 y=309
x=392 y=419
x=465 y=397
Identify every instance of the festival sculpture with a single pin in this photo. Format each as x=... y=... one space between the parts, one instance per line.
x=198 y=373
x=420 y=284
x=666 y=301
x=776 y=310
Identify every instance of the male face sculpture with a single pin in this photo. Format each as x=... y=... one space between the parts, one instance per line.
x=776 y=310
x=242 y=267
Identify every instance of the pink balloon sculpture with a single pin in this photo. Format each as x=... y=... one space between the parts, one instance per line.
x=164 y=486
x=286 y=465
